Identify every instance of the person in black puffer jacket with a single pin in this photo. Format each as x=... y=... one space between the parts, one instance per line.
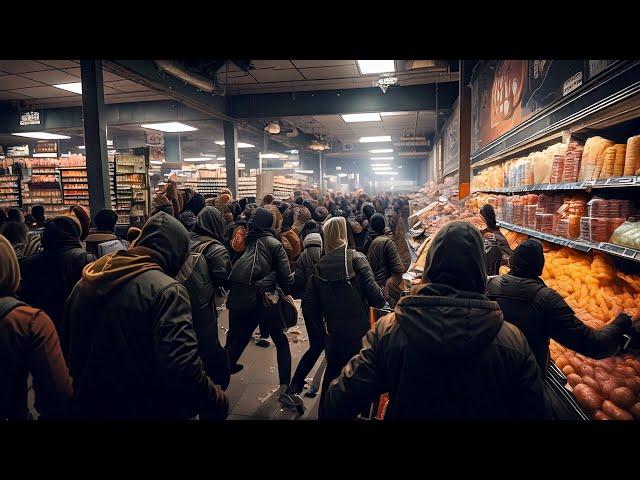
x=263 y=264
x=209 y=230
x=496 y=247
x=134 y=351
x=541 y=313
x=49 y=276
x=340 y=292
x=305 y=268
x=445 y=353
x=384 y=259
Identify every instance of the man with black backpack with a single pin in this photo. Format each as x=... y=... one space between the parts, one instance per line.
x=341 y=290
x=205 y=275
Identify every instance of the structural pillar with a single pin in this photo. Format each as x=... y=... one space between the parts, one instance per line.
x=172 y=149
x=321 y=172
x=464 y=158
x=95 y=135
x=231 y=155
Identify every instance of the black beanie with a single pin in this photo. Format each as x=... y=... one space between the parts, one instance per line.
x=527 y=261
x=261 y=219
x=368 y=210
x=378 y=222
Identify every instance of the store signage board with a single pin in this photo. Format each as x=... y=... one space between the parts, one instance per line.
x=30 y=118
x=155 y=139
x=572 y=83
x=18 y=151
x=46 y=147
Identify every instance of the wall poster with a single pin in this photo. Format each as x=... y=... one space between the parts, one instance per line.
x=451 y=141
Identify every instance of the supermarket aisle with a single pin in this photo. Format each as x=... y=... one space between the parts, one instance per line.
x=252 y=392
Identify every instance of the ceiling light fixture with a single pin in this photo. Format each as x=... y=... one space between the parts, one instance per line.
x=381 y=158
x=342 y=174
x=169 y=127
x=198 y=159
x=361 y=117
x=385 y=173
x=308 y=172
x=379 y=138
x=380 y=164
x=156 y=162
x=41 y=135
x=392 y=114
x=274 y=155
x=375 y=169
x=369 y=67
x=381 y=150
x=240 y=144
x=74 y=87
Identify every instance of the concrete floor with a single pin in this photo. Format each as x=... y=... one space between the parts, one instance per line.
x=253 y=392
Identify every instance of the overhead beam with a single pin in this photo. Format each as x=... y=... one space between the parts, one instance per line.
x=147 y=73
x=355 y=100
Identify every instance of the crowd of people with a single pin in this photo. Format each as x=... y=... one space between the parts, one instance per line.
x=131 y=331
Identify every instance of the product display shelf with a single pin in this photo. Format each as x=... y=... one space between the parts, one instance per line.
x=613 y=182
x=247 y=187
x=211 y=186
x=10 y=191
x=131 y=188
x=75 y=186
x=581 y=245
x=556 y=384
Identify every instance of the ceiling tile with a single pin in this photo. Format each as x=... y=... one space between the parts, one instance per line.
x=343 y=71
x=8 y=82
x=73 y=71
x=107 y=76
x=22 y=66
x=126 y=86
x=241 y=80
x=60 y=63
x=11 y=96
x=45 y=92
x=321 y=63
x=109 y=90
x=51 y=76
x=272 y=75
x=281 y=64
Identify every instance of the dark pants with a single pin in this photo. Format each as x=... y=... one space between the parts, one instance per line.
x=242 y=324
x=337 y=355
x=316 y=346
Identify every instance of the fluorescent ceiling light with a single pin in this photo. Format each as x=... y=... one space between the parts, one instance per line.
x=240 y=144
x=156 y=162
x=338 y=168
x=342 y=174
x=304 y=171
x=211 y=166
x=368 y=67
x=170 y=127
x=392 y=114
x=361 y=117
x=41 y=135
x=241 y=165
x=220 y=158
x=45 y=155
x=380 y=164
x=381 y=150
x=380 y=168
x=381 y=158
x=197 y=159
x=385 y=173
x=75 y=87
x=379 y=138
x=292 y=152
x=275 y=155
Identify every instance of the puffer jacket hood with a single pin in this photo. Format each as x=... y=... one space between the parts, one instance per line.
x=447 y=322
x=210 y=223
x=313 y=240
x=168 y=238
x=455 y=258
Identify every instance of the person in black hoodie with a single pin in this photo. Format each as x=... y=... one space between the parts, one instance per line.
x=445 y=353
x=207 y=238
x=195 y=204
x=384 y=259
x=541 y=313
x=340 y=292
x=305 y=267
x=263 y=264
x=136 y=356
x=497 y=250
x=49 y=276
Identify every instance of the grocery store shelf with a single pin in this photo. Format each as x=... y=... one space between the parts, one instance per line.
x=613 y=182
x=581 y=245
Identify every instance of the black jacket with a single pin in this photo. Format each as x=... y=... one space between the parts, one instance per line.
x=305 y=266
x=541 y=313
x=48 y=277
x=341 y=294
x=384 y=259
x=442 y=354
x=136 y=356
x=260 y=258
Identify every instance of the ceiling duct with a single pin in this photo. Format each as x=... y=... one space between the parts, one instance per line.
x=175 y=69
x=431 y=64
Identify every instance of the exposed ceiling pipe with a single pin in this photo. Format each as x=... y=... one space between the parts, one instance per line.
x=173 y=68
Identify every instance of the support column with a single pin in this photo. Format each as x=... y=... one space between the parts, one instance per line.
x=231 y=156
x=321 y=172
x=172 y=149
x=464 y=158
x=95 y=135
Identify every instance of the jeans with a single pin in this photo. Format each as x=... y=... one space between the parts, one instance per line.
x=242 y=324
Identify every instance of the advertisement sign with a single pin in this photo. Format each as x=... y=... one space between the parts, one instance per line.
x=30 y=118
x=507 y=92
x=450 y=139
x=18 y=151
x=156 y=154
x=154 y=138
x=46 y=147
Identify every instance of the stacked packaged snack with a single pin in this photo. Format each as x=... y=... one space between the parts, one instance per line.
x=593 y=148
x=571 y=166
x=627 y=234
x=632 y=157
x=557 y=167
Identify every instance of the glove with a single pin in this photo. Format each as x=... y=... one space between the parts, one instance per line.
x=634 y=333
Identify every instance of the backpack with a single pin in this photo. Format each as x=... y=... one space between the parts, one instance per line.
x=345 y=314
x=7 y=304
x=195 y=277
x=238 y=242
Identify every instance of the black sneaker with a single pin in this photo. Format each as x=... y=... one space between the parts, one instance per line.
x=312 y=392
x=292 y=400
x=235 y=368
x=263 y=342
